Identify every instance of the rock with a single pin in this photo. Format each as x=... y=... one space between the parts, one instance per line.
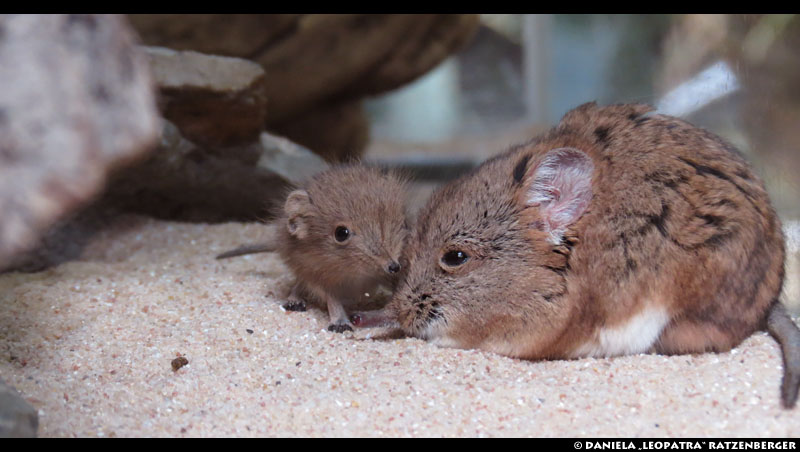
x=181 y=180
x=214 y=100
x=294 y=163
x=337 y=131
x=238 y=35
x=353 y=56
x=219 y=101
x=320 y=65
x=185 y=181
x=17 y=418
x=77 y=99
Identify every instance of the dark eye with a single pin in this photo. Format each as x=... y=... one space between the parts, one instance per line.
x=454 y=258
x=341 y=234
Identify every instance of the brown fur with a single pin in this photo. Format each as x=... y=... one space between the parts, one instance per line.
x=677 y=222
x=370 y=203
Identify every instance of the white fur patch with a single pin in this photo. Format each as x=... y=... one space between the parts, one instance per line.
x=636 y=335
x=445 y=342
x=433 y=333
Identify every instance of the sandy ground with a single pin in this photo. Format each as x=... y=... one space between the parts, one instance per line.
x=90 y=342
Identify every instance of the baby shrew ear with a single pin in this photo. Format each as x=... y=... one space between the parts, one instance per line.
x=298 y=209
x=561 y=187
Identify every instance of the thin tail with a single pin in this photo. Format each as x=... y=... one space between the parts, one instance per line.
x=785 y=331
x=248 y=249
x=268 y=246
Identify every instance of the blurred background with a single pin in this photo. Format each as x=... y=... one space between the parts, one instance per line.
x=243 y=106
x=738 y=76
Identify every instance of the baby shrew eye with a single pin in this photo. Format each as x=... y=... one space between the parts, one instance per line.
x=454 y=258
x=341 y=234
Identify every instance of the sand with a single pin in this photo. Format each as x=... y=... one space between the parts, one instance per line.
x=90 y=342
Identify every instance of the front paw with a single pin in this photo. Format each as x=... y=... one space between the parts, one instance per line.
x=339 y=327
x=298 y=305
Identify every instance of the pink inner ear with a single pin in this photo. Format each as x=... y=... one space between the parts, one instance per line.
x=561 y=186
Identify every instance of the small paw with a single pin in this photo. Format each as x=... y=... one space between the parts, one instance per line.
x=295 y=306
x=339 y=327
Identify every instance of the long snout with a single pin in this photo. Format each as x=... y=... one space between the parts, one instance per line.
x=373 y=319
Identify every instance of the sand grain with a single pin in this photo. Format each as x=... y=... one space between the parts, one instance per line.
x=90 y=344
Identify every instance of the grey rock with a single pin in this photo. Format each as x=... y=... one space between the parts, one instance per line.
x=289 y=160
x=186 y=181
x=190 y=69
x=319 y=67
x=214 y=100
x=238 y=35
x=17 y=418
x=77 y=100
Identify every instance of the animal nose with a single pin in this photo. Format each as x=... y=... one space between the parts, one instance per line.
x=393 y=267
